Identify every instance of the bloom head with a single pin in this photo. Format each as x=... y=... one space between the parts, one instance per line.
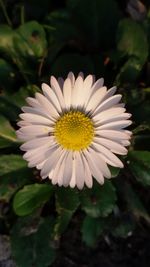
x=73 y=130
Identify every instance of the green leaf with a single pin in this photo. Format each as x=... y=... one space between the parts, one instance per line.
x=133 y=202
x=99 y=201
x=13 y=174
x=30 y=40
x=91 y=229
x=67 y=202
x=123 y=229
x=10 y=164
x=129 y=36
x=139 y=163
x=31 y=242
x=8 y=108
x=59 y=27
x=132 y=42
x=114 y=171
x=7 y=133
x=6 y=37
x=19 y=98
x=31 y=197
x=67 y=199
x=7 y=74
x=130 y=70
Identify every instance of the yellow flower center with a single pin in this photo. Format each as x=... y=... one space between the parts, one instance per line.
x=74 y=130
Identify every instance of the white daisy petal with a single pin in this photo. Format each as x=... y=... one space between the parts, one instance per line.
x=112 y=134
x=80 y=174
x=58 y=173
x=61 y=82
x=55 y=86
x=112 y=145
x=29 y=155
x=37 y=142
x=35 y=159
x=123 y=116
x=96 y=99
x=110 y=92
x=115 y=125
x=38 y=158
x=61 y=171
x=67 y=89
x=73 y=177
x=49 y=175
x=23 y=123
x=81 y=74
x=21 y=136
x=109 y=102
x=96 y=172
x=94 y=79
x=35 y=119
x=51 y=161
x=36 y=130
x=84 y=91
x=87 y=90
x=88 y=176
x=99 y=162
x=108 y=114
x=110 y=162
x=73 y=130
x=78 y=86
x=51 y=96
x=108 y=154
x=125 y=142
x=97 y=85
x=129 y=133
x=121 y=105
x=47 y=105
x=78 y=91
x=40 y=165
x=32 y=102
x=68 y=169
x=72 y=78
x=38 y=111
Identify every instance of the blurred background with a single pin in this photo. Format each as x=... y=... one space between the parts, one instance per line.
x=42 y=225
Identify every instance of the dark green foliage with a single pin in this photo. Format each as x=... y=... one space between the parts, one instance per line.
x=13 y=174
x=39 y=39
x=31 y=242
x=7 y=133
x=92 y=228
x=31 y=197
x=99 y=201
x=132 y=43
x=30 y=40
x=67 y=202
x=139 y=163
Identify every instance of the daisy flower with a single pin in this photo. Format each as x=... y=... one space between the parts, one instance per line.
x=73 y=130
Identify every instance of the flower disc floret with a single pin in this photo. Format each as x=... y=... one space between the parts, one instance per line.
x=74 y=130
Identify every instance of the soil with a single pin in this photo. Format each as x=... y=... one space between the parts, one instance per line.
x=110 y=251
x=133 y=251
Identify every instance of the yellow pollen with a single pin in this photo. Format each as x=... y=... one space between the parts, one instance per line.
x=74 y=130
